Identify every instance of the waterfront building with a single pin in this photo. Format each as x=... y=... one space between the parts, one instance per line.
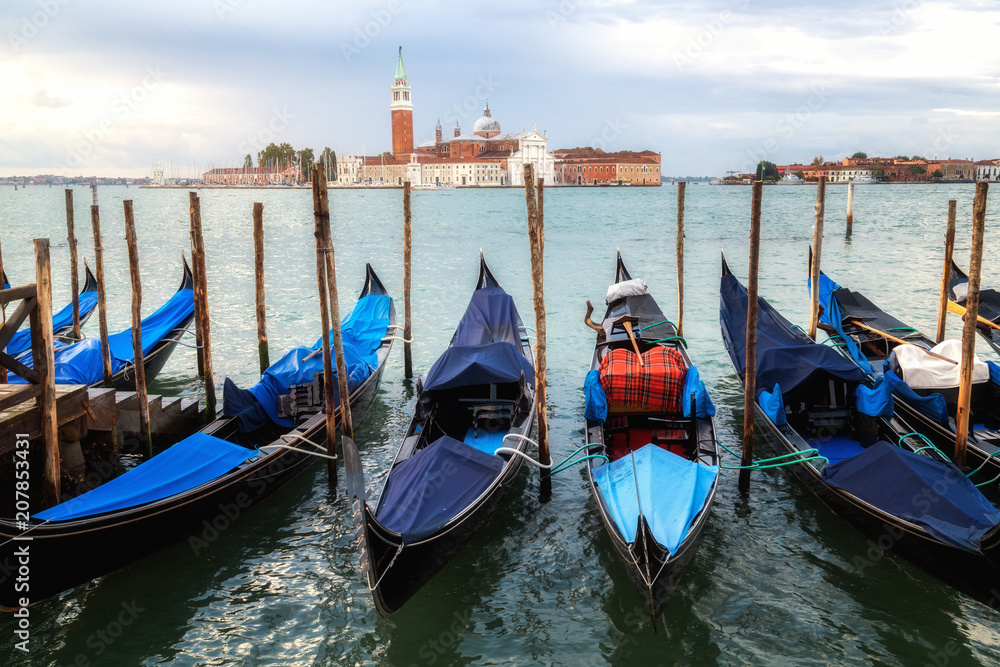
x=988 y=170
x=251 y=176
x=586 y=166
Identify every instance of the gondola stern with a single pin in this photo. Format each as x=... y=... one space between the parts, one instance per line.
x=726 y=271
x=486 y=278
x=373 y=284
x=187 y=282
x=621 y=271
x=90 y=280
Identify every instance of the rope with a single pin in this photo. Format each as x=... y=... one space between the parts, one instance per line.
x=776 y=465
x=650 y=326
x=983 y=464
x=929 y=445
x=397 y=338
x=296 y=449
x=669 y=338
x=388 y=567
x=566 y=464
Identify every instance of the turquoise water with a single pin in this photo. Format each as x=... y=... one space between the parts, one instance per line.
x=778 y=578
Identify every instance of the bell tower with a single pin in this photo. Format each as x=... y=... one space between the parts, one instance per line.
x=401 y=108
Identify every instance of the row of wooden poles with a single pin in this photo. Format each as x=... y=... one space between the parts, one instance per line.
x=51 y=490
x=970 y=317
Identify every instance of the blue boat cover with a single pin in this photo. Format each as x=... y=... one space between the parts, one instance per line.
x=928 y=492
x=594 y=396
x=703 y=402
x=994 y=372
x=934 y=406
x=489 y=318
x=785 y=356
x=362 y=334
x=464 y=365
x=21 y=341
x=671 y=492
x=773 y=405
x=832 y=316
x=875 y=401
x=81 y=363
x=190 y=463
x=484 y=440
x=427 y=490
x=837 y=448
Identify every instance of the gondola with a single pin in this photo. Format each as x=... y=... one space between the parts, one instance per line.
x=859 y=329
x=81 y=362
x=205 y=482
x=655 y=458
x=460 y=454
x=62 y=321
x=853 y=452
x=988 y=325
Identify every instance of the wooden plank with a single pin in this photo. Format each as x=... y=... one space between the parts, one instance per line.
x=17 y=293
x=44 y=363
x=25 y=418
x=16 y=319
x=14 y=394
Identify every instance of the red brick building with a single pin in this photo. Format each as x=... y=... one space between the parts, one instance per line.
x=401 y=110
x=575 y=166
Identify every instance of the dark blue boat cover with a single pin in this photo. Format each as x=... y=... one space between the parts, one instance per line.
x=190 y=463
x=773 y=405
x=465 y=365
x=81 y=363
x=362 y=334
x=669 y=489
x=703 y=402
x=21 y=341
x=489 y=318
x=928 y=492
x=430 y=488
x=934 y=405
x=785 y=356
x=832 y=316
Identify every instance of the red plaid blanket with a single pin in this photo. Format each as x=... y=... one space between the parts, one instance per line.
x=656 y=386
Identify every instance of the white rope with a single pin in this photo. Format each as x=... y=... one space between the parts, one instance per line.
x=397 y=338
x=394 y=326
x=301 y=451
x=511 y=450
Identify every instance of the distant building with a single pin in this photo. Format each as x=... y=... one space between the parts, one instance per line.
x=580 y=166
x=251 y=176
x=988 y=170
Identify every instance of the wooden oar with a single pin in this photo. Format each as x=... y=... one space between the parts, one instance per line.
x=635 y=346
x=902 y=342
x=959 y=310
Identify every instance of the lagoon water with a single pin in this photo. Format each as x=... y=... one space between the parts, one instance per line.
x=778 y=578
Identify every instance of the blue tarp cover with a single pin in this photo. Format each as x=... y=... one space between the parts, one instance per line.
x=773 y=405
x=703 y=402
x=489 y=318
x=362 y=334
x=934 y=406
x=594 y=396
x=832 y=316
x=21 y=341
x=785 y=356
x=875 y=401
x=672 y=490
x=465 y=365
x=427 y=490
x=81 y=363
x=928 y=492
x=192 y=462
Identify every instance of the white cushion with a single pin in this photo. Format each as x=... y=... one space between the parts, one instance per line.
x=633 y=287
x=922 y=371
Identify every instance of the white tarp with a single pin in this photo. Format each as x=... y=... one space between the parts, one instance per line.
x=634 y=287
x=922 y=371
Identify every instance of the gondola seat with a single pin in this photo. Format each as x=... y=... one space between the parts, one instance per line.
x=653 y=387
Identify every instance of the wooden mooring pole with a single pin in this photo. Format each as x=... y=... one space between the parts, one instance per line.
x=102 y=303
x=43 y=355
x=750 y=375
x=969 y=330
x=258 y=261
x=201 y=302
x=74 y=273
x=407 y=277
x=680 y=257
x=3 y=311
x=850 y=208
x=138 y=367
x=817 y=253
x=536 y=237
x=321 y=213
x=949 y=251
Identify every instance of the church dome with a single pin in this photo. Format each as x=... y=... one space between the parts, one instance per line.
x=487 y=126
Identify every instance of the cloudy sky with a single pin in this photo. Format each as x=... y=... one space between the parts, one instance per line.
x=110 y=87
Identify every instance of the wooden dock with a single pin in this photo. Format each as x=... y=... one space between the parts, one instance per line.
x=20 y=412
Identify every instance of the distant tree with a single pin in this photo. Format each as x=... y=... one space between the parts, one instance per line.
x=904 y=158
x=306 y=162
x=917 y=169
x=276 y=156
x=385 y=154
x=801 y=174
x=767 y=171
x=817 y=161
x=860 y=155
x=329 y=160
x=918 y=157
x=938 y=173
x=248 y=161
x=878 y=172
